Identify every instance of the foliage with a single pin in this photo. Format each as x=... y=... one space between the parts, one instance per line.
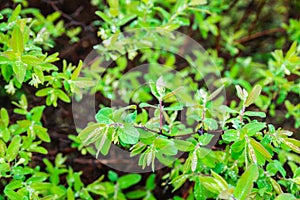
x=217 y=146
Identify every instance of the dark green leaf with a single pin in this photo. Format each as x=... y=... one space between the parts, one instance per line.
x=112 y=176
x=150 y=182
x=128 y=180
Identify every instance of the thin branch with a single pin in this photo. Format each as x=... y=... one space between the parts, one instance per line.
x=147 y=129
x=260 y=34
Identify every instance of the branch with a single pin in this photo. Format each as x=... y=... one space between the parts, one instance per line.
x=260 y=34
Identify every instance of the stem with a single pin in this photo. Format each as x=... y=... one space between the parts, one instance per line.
x=147 y=129
x=203 y=113
x=160 y=115
x=242 y=113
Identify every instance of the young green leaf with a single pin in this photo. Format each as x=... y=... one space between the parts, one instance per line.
x=258 y=147
x=19 y=70
x=255 y=114
x=128 y=134
x=106 y=18
x=240 y=92
x=104 y=115
x=13 y=148
x=16 y=41
x=230 y=135
x=285 y=196
x=215 y=93
x=255 y=92
x=4 y=117
x=245 y=183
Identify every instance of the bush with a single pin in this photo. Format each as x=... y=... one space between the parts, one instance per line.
x=172 y=120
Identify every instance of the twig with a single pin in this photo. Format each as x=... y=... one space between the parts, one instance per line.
x=147 y=129
x=260 y=34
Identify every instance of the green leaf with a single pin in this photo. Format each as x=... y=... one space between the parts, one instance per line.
x=15 y=13
x=255 y=114
x=153 y=89
x=274 y=167
x=16 y=41
x=211 y=184
x=4 y=167
x=240 y=92
x=162 y=142
x=37 y=113
x=200 y=192
x=194 y=160
x=131 y=117
x=185 y=146
x=258 y=147
x=106 y=18
x=19 y=70
x=42 y=133
x=104 y=115
x=76 y=72
x=70 y=194
x=137 y=149
x=14 y=184
x=205 y=139
x=12 y=195
x=6 y=71
x=215 y=93
x=179 y=181
x=31 y=60
x=211 y=123
x=43 y=92
x=292 y=143
x=63 y=96
x=245 y=183
x=13 y=148
x=40 y=150
x=228 y=109
x=173 y=108
x=221 y=182
x=197 y=2
x=286 y=196
x=142 y=105
x=253 y=127
x=4 y=117
x=136 y=194
x=2 y=148
x=126 y=19
x=230 y=135
x=276 y=186
x=129 y=180
x=104 y=143
x=112 y=176
x=255 y=92
x=88 y=135
x=160 y=86
x=150 y=182
x=128 y=134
